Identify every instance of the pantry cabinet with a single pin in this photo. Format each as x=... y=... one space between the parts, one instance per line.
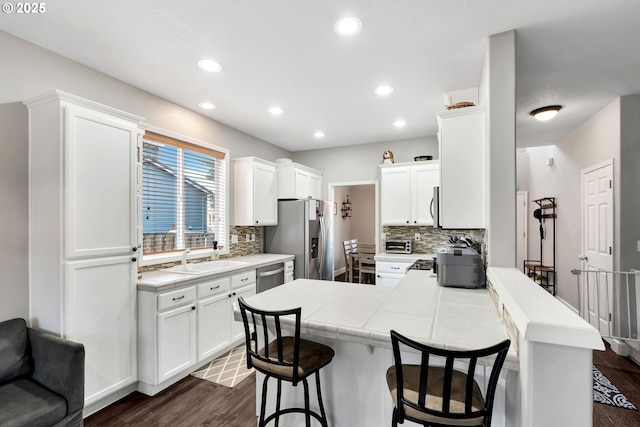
x=256 y=192
x=83 y=184
x=406 y=192
x=463 y=171
x=296 y=181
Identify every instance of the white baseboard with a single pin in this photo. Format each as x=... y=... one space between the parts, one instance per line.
x=341 y=270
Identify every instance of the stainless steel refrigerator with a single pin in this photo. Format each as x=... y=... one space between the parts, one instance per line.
x=305 y=229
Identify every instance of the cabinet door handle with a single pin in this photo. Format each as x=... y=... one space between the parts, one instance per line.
x=234 y=294
x=193 y=307
x=179 y=298
x=134 y=259
x=395 y=268
x=408 y=222
x=134 y=249
x=244 y=280
x=216 y=287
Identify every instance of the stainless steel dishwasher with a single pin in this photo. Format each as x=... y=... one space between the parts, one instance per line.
x=269 y=277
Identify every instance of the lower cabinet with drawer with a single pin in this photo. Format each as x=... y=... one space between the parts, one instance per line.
x=181 y=329
x=389 y=273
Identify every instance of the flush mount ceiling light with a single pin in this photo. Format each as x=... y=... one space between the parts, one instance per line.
x=318 y=134
x=399 y=123
x=276 y=111
x=210 y=65
x=207 y=105
x=383 y=90
x=348 y=26
x=546 y=113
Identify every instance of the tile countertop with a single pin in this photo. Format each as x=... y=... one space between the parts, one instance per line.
x=417 y=307
x=159 y=280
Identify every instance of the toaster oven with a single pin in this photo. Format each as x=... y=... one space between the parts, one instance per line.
x=398 y=247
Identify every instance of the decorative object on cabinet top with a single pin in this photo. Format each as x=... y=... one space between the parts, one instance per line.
x=422 y=158
x=387 y=157
x=463 y=104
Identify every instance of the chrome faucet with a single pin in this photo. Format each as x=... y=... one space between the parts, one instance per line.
x=184 y=255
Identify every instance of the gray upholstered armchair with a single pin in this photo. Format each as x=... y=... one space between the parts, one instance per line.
x=41 y=378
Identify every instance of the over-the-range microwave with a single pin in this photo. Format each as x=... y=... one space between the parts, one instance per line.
x=398 y=247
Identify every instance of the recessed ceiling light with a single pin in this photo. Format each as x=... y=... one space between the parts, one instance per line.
x=210 y=65
x=348 y=26
x=207 y=105
x=276 y=111
x=399 y=123
x=383 y=90
x=318 y=134
x=546 y=113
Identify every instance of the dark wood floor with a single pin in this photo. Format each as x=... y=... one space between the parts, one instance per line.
x=625 y=375
x=190 y=402
x=195 y=402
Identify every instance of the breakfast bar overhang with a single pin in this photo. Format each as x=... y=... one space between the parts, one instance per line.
x=546 y=379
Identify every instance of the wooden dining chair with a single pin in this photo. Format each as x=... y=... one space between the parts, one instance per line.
x=367 y=263
x=350 y=254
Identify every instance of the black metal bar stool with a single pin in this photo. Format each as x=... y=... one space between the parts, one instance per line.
x=442 y=396
x=287 y=358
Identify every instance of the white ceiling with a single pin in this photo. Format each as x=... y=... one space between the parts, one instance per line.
x=580 y=54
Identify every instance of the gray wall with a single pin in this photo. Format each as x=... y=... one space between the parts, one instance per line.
x=14 y=211
x=629 y=256
x=33 y=71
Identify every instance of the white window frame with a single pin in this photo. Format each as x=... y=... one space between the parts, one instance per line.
x=153 y=259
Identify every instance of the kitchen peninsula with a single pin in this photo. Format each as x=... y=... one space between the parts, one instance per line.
x=548 y=340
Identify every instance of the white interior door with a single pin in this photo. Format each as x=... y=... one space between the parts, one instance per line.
x=521 y=228
x=597 y=241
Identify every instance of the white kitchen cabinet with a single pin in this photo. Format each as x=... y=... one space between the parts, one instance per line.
x=83 y=167
x=407 y=191
x=176 y=332
x=256 y=192
x=462 y=140
x=213 y=317
x=181 y=329
x=289 y=271
x=296 y=181
x=389 y=273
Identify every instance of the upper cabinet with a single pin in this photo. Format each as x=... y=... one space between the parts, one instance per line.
x=296 y=181
x=462 y=139
x=406 y=191
x=256 y=192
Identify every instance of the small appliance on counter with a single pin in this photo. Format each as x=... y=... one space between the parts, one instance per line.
x=398 y=247
x=459 y=267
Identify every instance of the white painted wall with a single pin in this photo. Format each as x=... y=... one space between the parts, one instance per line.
x=14 y=225
x=593 y=142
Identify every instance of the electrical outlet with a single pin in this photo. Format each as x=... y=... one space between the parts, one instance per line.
x=248 y=238
x=638 y=245
x=417 y=236
x=253 y=237
x=234 y=238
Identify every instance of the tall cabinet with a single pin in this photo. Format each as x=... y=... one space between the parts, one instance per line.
x=83 y=239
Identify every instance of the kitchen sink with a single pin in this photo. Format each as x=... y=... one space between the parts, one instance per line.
x=203 y=267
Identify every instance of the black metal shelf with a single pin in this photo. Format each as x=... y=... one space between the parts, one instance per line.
x=544 y=274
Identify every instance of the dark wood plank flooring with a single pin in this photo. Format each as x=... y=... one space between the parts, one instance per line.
x=189 y=402
x=625 y=375
x=195 y=402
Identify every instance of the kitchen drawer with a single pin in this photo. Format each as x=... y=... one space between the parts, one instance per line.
x=176 y=298
x=243 y=279
x=214 y=287
x=288 y=267
x=392 y=267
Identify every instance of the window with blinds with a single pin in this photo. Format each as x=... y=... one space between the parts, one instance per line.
x=184 y=195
